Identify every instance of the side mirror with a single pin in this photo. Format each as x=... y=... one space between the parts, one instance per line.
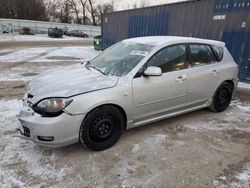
x=153 y=71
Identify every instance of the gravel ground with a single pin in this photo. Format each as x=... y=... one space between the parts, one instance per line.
x=22 y=44
x=198 y=149
x=24 y=41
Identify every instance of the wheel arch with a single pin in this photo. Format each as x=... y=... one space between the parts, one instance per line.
x=229 y=82
x=122 y=111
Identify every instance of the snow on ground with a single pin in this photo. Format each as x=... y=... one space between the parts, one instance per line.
x=240 y=180
x=149 y=143
x=244 y=85
x=37 y=37
x=49 y=54
x=244 y=175
x=10 y=76
x=243 y=115
x=33 y=160
x=27 y=63
x=68 y=53
x=27 y=54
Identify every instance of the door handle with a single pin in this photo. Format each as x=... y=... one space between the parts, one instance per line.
x=181 y=78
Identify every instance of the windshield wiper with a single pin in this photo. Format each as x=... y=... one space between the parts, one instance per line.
x=88 y=65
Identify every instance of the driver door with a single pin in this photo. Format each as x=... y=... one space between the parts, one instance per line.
x=156 y=96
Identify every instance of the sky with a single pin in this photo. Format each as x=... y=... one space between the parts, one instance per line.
x=125 y=4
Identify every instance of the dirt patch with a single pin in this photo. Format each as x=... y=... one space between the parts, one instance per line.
x=65 y=58
x=243 y=94
x=12 y=88
x=28 y=44
x=230 y=176
x=8 y=65
x=29 y=74
x=5 y=53
x=237 y=135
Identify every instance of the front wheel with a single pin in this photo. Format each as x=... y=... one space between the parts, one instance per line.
x=222 y=97
x=101 y=128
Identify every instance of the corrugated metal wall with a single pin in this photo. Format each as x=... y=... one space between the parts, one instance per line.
x=226 y=20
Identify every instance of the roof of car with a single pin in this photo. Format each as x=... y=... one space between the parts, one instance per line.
x=161 y=40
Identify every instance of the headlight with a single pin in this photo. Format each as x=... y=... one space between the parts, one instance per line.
x=52 y=106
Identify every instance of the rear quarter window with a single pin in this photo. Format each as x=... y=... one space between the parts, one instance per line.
x=219 y=52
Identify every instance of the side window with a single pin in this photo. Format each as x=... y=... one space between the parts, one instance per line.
x=219 y=52
x=169 y=59
x=200 y=55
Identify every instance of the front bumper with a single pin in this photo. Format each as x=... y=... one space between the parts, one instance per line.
x=64 y=128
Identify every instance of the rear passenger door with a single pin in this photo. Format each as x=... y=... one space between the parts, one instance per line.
x=203 y=74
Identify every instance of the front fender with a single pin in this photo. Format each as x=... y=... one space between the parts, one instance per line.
x=84 y=103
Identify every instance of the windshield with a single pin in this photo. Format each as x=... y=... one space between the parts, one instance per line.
x=121 y=58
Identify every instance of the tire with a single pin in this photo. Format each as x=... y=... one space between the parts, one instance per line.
x=222 y=98
x=102 y=128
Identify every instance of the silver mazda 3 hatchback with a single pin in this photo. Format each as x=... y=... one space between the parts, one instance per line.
x=132 y=83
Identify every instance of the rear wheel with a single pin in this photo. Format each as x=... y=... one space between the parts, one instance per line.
x=222 y=97
x=101 y=128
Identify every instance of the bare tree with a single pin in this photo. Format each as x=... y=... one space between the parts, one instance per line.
x=23 y=9
x=69 y=10
x=57 y=10
x=92 y=10
x=75 y=9
x=103 y=9
x=52 y=11
x=84 y=12
x=7 y=9
x=63 y=11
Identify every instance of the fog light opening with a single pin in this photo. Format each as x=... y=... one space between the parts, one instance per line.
x=46 y=138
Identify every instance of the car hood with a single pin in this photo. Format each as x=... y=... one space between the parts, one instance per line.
x=69 y=81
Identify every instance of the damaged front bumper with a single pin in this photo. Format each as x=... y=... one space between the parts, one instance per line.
x=49 y=131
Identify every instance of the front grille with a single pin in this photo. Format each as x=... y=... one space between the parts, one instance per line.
x=26 y=131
